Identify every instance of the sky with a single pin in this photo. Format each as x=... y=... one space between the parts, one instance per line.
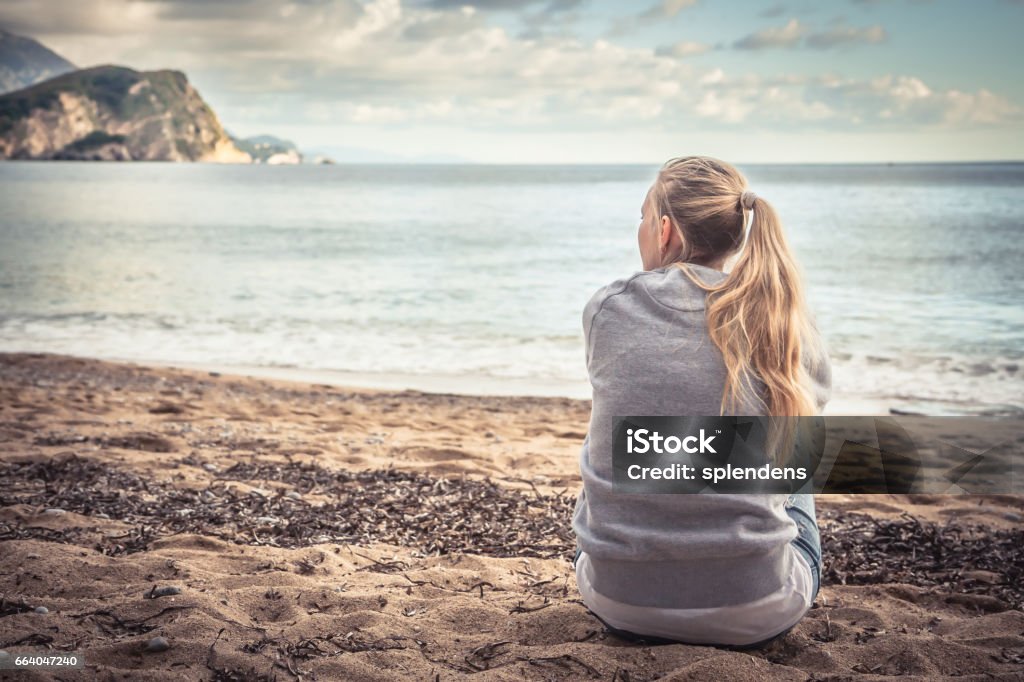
x=578 y=81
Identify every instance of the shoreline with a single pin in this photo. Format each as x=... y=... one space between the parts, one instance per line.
x=512 y=387
x=446 y=384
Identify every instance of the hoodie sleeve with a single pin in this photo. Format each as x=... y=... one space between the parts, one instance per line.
x=593 y=307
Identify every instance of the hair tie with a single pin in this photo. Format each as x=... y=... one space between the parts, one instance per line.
x=747 y=199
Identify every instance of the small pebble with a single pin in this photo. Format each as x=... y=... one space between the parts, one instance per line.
x=32 y=556
x=41 y=609
x=55 y=511
x=293 y=495
x=210 y=466
x=158 y=644
x=165 y=591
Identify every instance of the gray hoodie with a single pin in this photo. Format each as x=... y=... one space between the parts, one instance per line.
x=649 y=354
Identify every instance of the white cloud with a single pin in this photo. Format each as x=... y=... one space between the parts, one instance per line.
x=713 y=76
x=667 y=9
x=441 y=24
x=908 y=101
x=660 y=11
x=783 y=36
x=847 y=35
x=796 y=34
x=682 y=49
x=384 y=66
x=724 y=108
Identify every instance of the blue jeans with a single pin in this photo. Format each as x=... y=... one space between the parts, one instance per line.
x=800 y=507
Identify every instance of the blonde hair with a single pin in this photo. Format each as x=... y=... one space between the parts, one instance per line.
x=757 y=315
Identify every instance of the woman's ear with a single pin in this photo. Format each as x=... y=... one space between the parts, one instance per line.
x=665 y=233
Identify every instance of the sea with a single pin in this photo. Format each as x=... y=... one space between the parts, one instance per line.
x=473 y=278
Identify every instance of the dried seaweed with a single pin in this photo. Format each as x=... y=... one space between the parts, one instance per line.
x=859 y=549
x=440 y=516
x=434 y=515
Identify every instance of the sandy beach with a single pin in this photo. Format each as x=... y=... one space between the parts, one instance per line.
x=187 y=524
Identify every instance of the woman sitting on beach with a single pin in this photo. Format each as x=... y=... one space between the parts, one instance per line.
x=684 y=338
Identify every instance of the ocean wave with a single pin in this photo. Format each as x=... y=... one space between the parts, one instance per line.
x=930 y=383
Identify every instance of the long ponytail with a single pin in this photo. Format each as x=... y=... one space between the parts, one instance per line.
x=757 y=315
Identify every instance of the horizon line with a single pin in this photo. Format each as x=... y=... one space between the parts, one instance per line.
x=468 y=162
x=654 y=163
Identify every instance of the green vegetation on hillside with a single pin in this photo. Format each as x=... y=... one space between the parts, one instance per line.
x=128 y=114
x=108 y=86
x=96 y=138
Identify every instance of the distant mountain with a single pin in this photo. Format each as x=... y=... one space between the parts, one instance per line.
x=25 y=62
x=269 y=149
x=113 y=113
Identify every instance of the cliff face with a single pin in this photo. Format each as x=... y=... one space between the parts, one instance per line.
x=25 y=62
x=113 y=113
